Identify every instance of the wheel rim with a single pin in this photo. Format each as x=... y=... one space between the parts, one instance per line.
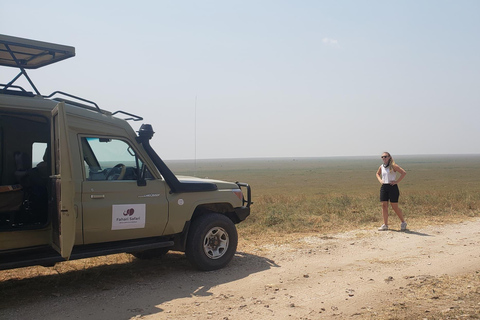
x=215 y=244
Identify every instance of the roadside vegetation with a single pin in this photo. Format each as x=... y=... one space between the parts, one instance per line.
x=335 y=194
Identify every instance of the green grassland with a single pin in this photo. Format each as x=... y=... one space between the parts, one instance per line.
x=325 y=195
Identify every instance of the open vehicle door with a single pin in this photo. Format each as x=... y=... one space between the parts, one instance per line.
x=63 y=219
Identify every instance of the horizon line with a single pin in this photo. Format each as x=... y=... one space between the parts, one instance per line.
x=324 y=157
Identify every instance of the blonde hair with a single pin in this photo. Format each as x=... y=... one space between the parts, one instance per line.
x=392 y=163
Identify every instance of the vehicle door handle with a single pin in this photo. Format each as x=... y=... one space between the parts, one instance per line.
x=97 y=196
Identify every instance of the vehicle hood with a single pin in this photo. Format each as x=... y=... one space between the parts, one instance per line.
x=220 y=184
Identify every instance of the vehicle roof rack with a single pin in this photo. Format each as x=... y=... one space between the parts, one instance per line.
x=97 y=108
x=93 y=106
x=17 y=90
x=132 y=116
x=30 y=54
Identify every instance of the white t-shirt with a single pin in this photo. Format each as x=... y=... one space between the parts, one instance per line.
x=387 y=175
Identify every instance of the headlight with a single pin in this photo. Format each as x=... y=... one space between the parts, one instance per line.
x=238 y=193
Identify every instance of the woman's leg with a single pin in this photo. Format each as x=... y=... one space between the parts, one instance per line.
x=385 y=212
x=398 y=211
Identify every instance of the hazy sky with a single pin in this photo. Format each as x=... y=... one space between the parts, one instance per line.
x=238 y=79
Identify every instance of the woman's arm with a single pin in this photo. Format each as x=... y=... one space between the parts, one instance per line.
x=402 y=172
x=379 y=175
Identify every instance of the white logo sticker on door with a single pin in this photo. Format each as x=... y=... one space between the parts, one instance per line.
x=128 y=216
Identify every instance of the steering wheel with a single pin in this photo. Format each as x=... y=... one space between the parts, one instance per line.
x=114 y=173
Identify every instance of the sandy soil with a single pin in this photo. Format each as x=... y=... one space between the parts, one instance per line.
x=352 y=275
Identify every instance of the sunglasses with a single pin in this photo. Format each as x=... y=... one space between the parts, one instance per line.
x=383 y=157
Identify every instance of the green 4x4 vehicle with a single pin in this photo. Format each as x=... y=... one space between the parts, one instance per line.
x=98 y=188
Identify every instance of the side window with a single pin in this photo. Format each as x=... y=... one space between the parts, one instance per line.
x=110 y=159
x=38 y=152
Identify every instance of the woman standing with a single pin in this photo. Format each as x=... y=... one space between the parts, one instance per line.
x=387 y=176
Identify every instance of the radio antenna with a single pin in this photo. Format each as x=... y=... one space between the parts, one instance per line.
x=195 y=128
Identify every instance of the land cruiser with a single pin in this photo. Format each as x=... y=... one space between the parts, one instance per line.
x=76 y=181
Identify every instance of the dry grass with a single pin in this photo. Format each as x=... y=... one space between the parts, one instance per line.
x=337 y=194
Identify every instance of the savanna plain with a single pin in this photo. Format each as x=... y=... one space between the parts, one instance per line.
x=307 y=213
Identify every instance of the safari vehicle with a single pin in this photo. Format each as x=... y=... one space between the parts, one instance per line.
x=76 y=181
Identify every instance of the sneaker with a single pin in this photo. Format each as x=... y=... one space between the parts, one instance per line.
x=384 y=227
x=403 y=226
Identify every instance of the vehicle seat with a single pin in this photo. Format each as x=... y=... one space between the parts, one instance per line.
x=22 y=164
x=35 y=195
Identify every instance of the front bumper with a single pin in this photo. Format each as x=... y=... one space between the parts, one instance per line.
x=246 y=202
x=243 y=212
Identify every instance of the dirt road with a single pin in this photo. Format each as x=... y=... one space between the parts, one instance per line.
x=349 y=275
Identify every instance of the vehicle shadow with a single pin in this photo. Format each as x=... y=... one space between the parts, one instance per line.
x=139 y=286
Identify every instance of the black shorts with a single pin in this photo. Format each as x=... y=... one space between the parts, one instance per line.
x=389 y=193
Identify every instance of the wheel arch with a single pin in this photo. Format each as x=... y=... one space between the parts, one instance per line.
x=224 y=208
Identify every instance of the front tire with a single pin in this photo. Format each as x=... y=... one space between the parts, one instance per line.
x=212 y=242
